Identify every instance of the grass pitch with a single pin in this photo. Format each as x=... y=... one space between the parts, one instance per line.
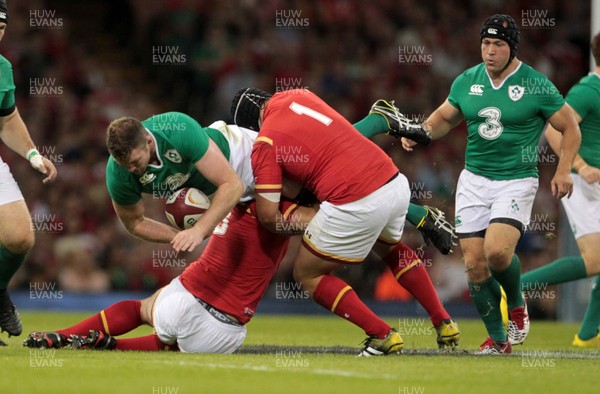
x=305 y=354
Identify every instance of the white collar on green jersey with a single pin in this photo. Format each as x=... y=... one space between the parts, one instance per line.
x=504 y=80
x=595 y=73
x=157 y=152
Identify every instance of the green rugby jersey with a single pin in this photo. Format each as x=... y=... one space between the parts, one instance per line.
x=180 y=143
x=584 y=97
x=504 y=123
x=7 y=87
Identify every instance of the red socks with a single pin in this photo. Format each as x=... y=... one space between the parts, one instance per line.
x=117 y=319
x=412 y=275
x=335 y=295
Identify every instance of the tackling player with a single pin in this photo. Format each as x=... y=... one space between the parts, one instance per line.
x=307 y=142
x=16 y=233
x=505 y=104
x=583 y=208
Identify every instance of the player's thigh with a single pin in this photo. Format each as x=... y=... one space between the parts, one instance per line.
x=589 y=245
x=396 y=201
x=472 y=214
x=16 y=232
x=146 y=307
x=583 y=208
x=308 y=266
x=513 y=201
x=474 y=259
x=346 y=233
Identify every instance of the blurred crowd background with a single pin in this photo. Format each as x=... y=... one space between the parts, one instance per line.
x=78 y=65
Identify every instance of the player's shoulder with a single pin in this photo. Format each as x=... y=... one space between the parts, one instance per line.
x=115 y=172
x=588 y=82
x=526 y=71
x=470 y=77
x=472 y=72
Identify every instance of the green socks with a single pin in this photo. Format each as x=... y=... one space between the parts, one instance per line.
x=563 y=270
x=510 y=280
x=371 y=125
x=9 y=264
x=591 y=320
x=486 y=296
x=415 y=214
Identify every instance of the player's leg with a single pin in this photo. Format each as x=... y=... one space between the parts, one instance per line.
x=485 y=292
x=117 y=319
x=473 y=211
x=588 y=335
x=583 y=210
x=342 y=234
x=16 y=239
x=510 y=214
x=411 y=274
x=335 y=295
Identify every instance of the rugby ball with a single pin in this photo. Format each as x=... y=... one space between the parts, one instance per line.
x=185 y=207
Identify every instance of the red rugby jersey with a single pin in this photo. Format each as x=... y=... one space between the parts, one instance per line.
x=237 y=265
x=307 y=141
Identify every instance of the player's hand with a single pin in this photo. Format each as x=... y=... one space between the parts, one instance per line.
x=45 y=166
x=589 y=173
x=562 y=185
x=408 y=144
x=187 y=240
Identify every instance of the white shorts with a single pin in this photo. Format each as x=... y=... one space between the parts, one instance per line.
x=480 y=200
x=179 y=318
x=240 y=145
x=346 y=233
x=583 y=208
x=9 y=190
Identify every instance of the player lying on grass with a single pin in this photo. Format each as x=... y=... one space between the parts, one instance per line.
x=364 y=201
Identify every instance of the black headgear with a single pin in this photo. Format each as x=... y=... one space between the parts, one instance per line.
x=3 y=11
x=504 y=28
x=245 y=107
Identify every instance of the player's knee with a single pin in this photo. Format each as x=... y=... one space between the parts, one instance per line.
x=592 y=263
x=498 y=258
x=20 y=242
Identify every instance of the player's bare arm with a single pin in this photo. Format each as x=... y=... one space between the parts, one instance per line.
x=438 y=124
x=133 y=219
x=14 y=134
x=214 y=167
x=565 y=122
x=589 y=173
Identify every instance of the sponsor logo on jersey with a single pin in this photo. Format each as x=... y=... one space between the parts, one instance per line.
x=476 y=90
x=173 y=155
x=147 y=178
x=515 y=92
x=175 y=181
x=491 y=30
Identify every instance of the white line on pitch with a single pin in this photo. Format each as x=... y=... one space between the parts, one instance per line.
x=265 y=368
